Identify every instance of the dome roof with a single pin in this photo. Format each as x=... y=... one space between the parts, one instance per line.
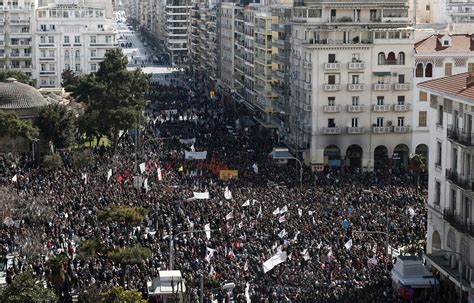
x=16 y=95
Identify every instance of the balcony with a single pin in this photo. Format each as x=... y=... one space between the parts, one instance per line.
x=381 y=86
x=381 y=108
x=402 y=86
x=332 y=130
x=402 y=107
x=355 y=130
x=355 y=87
x=462 y=182
x=356 y=65
x=332 y=108
x=401 y=129
x=306 y=86
x=331 y=87
x=332 y=66
x=355 y=108
x=460 y=136
x=307 y=64
x=458 y=222
x=380 y=129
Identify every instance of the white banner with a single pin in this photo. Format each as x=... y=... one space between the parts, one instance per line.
x=227 y=193
x=195 y=155
x=207 y=228
x=171 y=112
x=187 y=141
x=201 y=196
x=274 y=261
x=142 y=167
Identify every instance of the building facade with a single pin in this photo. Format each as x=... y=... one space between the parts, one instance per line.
x=450 y=196
x=351 y=87
x=177 y=23
x=228 y=12
x=72 y=36
x=436 y=57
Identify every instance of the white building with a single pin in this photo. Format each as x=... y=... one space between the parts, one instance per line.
x=459 y=14
x=16 y=23
x=450 y=234
x=177 y=23
x=435 y=57
x=71 y=35
x=351 y=75
x=228 y=12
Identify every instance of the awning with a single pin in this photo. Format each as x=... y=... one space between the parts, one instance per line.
x=442 y=264
x=382 y=73
x=281 y=154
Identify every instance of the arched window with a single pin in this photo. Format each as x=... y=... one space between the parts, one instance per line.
x=419 y=70
x=451 y=241
x=78 y=54
x=401 y=58
x=391 y=57
x=429 y=70
x=381 y=58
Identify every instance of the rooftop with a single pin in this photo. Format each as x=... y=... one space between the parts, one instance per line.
x=460 y=85
x=459 y=44
x=16 y=95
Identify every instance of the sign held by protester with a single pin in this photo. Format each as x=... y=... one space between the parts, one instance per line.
x=228 y=174
x=195 y=155
x=201 y=196
x=274 y=261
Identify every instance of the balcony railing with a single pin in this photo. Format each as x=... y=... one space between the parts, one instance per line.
x=382 y=108
x=355 y=130
x=460 y=181
x=456 y=221
x=460 y=136
x=332 y=108
x=355 y=108
x=332 y=66
x=306 y=86
x=380 y=129
x=402 y=107
x=331 y=130
x=381 y=86
x=402 y=86
x=355 y=87
x=332 y=87
x=307 y=64
x=401 y=129
x=356 y=65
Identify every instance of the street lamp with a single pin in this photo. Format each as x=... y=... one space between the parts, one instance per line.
x=284 y=154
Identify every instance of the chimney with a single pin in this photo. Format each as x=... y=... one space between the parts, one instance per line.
x=470 y=80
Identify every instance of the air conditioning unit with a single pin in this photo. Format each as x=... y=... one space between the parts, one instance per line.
x=389 y=123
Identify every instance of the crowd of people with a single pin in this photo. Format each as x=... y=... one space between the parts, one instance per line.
x=322 y=228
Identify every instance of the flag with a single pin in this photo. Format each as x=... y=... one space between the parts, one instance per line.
x=230 y=255
x=145 y=184
x=311 y=212
x=276 y=211
x=330 y=252
x=259 y=212
x=282 y=234
x=348 y=244
x=119 y=177
x=255 y=168
x=411 y=211
x=276 y=259
x=109 y=174
x=284 y=209
x=247 y=291
x=212 y=272
x=15 y=178
x=230 y=216
x=84 y=177
x=300 y=212
x=305 y=254
x=209 y=254
x=192 y=148
x=207 y=229
x=142 y=167
x=180 y=168
x=247 y=203
x=246 y=265
x=227 y=193
x=160 y=177
x=201 y=196
x=281 y=219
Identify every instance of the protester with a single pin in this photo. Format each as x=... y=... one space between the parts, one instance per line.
x=316 y=232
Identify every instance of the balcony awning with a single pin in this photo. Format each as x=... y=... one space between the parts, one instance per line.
x=382 y=73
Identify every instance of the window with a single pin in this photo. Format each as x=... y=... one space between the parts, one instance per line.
x=93 y=53
x=448 y=69
x=78 y=68
x=451 y=240
x=446 y=43
x=78 y=54
x=108 y=39
x=93 y=39
x=52 y=82
x=77 y=39
x=419 y=70
x=43 y=53
x=454 y=159
x=355 y=100
x=43 y=27
x=422 y=119
x=380 y=100
x=331 y=101
x=470 y=67
x=42 y=39
x=401 y=100
x=100 y=26
x=331 y=123
x=427 y=7
x=43 y=67
x=381 y=58
x=93 y=67
x=332 y=79
x=380 y=121
x=429 y=70
x=401 y=58
x=355 y=122
x=66 y=54
x=66 y=39
x=401 y=78
x=52 y=27
x=439 y=153
x=332 y=58
x=440 y=115
x=51 y=53
x=401 y=121
x=355 y=79
x=51 y=39
x=437 y=197
x=52 y=67
x=67 y=66
x=467 y=209
x=356 y=57
x=423 y=96
x=453 y=200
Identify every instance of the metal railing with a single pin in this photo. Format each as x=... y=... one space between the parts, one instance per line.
x=460 y=135
x=456 y=221
x=454 y=177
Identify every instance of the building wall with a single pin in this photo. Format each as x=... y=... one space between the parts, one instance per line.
x=227 y=26
x=177 y=24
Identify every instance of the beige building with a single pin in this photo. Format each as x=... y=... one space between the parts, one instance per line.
x=177 y=25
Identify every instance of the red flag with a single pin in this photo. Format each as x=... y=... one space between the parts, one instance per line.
x=119 y=177
x=127 y=175
x=230 y=255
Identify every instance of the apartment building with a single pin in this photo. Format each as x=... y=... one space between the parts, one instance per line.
x=351 y=91
x=71 y=35
x=16 y=24
x=436 y=57
x=177 y=23
x=228 y=12
x=450 y=196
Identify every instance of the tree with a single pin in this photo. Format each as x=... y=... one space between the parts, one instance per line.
x=113 y=94
x=69 y=79
x=82 y=158
x=88 y=249
x=25 y=288
x=57 y=274
x=53 y=161
x=124 y=214
x=12 y=126
x=92 y=125
x=129 y=255
x=57 y=125
x=117 y=294
x=19 y=76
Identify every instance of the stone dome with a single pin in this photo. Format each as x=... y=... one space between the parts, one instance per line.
x=18 y=96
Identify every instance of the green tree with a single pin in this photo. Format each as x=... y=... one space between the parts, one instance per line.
x=25 y=288
x=117 y=294
x=53 y=161
x=93 y=125
x=57 y=274
x=57 y=125
x=129 y=255
x=129 y=215
x=82 y=158
x=19 y=76
x=69 y=79
x=115 y=93
x=12 y=126
x=88 y=249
